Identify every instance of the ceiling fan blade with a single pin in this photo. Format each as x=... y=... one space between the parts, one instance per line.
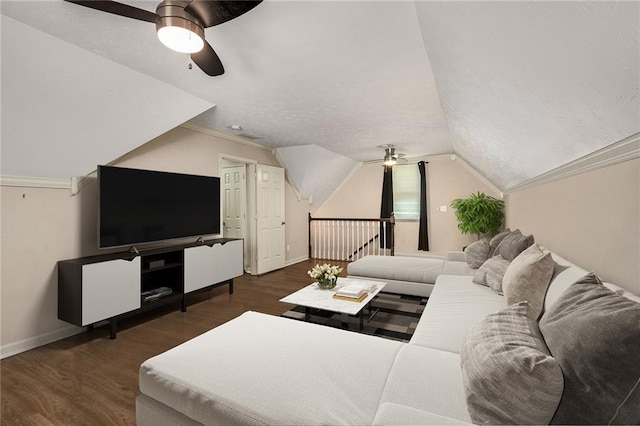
x=212 y=13
x=119 y=9
x=208 y=60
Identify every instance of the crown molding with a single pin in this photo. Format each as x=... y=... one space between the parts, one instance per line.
x=35 y=182
x=624 y=150
x=212 y=132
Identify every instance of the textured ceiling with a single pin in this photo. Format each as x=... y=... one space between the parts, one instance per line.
x=529 y=86
x=515 y=88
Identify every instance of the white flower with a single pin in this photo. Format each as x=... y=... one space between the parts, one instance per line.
x=326 y=271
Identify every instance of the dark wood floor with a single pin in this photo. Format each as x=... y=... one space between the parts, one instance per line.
x=88 y=379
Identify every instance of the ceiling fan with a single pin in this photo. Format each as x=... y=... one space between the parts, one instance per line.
x=180 y=24
x=390 y=156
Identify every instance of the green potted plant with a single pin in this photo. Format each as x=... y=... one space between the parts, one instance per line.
x=479 y=214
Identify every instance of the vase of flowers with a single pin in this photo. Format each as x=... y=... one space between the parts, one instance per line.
x=326 y=275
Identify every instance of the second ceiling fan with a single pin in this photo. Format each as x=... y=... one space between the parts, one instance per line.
x=180 y=24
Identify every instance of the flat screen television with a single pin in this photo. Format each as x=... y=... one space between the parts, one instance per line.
x=144 y=206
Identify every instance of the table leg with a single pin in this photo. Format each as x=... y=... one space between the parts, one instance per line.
x=361 y=320
x=345 y=320
x=307 y=313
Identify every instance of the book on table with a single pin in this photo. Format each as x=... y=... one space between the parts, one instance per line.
x=352 y=291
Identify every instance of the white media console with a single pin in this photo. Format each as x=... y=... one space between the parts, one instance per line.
x=110 y=286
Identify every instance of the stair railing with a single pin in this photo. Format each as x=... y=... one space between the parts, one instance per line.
x=348 y=239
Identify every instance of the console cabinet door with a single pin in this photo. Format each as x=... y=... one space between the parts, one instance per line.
x=200 y=267
x=109 y=289
x=231 y=260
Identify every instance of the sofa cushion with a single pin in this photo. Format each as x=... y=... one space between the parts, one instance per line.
x=527 y=278
x=594 y=333
x=427 y=379
x=265 y=369
x=400 y=268
x=491 y=273
x=496 y=240
x=508 y=374
x=476 y=253
x=396 y=414
x=513 y=244
x=456 y=304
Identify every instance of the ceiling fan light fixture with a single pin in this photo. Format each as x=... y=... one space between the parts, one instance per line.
x=389 y=156
x=389 y=160
x=180 y=34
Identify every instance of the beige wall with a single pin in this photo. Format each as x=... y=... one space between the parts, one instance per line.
x=448 y=179
x=591 y=219
x=48 y=225
x=39 y=227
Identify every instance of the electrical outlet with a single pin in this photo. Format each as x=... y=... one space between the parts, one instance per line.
x=443 y=208
x=288 y=247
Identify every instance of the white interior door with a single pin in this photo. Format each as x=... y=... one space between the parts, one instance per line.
x=234 y=202
x=270 y=218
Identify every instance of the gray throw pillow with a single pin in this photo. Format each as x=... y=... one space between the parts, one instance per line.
x=527 y=278
x=491 y=273
x=477 y=253
x=594 y=333
x=514 y=244
x=495 y=241
x=508 y=375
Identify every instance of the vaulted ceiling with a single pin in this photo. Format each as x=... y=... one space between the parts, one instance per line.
x=514 y=88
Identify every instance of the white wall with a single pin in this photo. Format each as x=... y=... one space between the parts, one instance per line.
x=592 y=219
x=448 y=179
x=48 y=225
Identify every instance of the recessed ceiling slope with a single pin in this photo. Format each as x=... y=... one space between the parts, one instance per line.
x=529 y=86
x=66 y=110
x=315 y=171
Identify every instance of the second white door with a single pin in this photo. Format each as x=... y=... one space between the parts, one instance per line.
x=235 y=201
x=270 y=214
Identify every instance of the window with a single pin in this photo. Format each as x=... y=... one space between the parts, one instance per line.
x=406 y=192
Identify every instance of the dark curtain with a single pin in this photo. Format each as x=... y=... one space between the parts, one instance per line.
x=423 y=234
x=386 y=208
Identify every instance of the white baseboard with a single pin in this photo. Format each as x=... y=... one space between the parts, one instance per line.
x=37 y=341
x=296 y=260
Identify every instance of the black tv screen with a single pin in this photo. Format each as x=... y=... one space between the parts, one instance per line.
x=142 y=206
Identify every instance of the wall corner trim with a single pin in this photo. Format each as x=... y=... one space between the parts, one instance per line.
x=618 y=152
x=35 y=182
x=212 y=132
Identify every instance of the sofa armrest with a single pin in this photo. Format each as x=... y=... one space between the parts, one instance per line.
x=457 y=256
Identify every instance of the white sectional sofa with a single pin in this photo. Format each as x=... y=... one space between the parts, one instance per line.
x=262 y=369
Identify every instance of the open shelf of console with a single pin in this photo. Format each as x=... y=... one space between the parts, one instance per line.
x=112 y=286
